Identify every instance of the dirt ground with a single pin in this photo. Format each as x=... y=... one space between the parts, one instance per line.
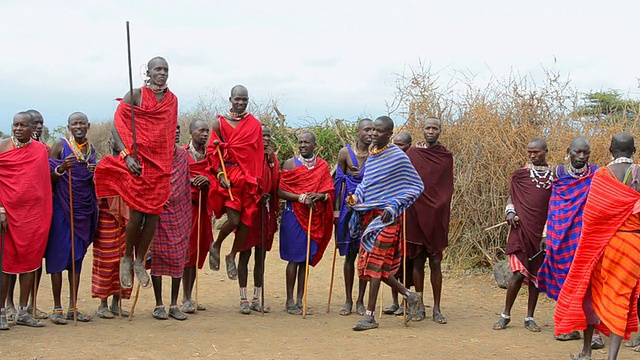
x=471 y=302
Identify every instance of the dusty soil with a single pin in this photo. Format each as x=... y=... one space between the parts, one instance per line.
x=471 y=303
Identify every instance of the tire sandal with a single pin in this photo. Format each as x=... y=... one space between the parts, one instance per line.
x=27 y=320
x=580 y=357
x=57 y=317
x=361 y=309
x=244 y=307
x=115 y=310
x=293 y=310
x=174 y=312
x=232 y=269
x=531 y=325
x=574 y=335
x=420 y=315
x=79 y=316
x=502 y=323
x=39 y=313
x=141 y=274
x=126 y=278
x=390 y=310
x=256 y=306
x=11 y=314
x=4 y=323
x=363 y=325
x=104 y=313
x=413 y=303
x=214 y=258
x=189 y=307
x=159 y=313
x=439 y=318
x=346 y=310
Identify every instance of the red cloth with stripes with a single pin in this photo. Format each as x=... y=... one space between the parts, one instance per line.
x=25 y=192
x=243 y=152
x=206 y=234
x=300 y=180
x=386 y=256
x=155 y=134
x=609 y=206
x=270 y=181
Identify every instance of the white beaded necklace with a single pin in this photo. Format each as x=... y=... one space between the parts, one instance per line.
x=622 y=160
x=309 y=163
x=17 y=143
x=537 y=173
x=578 y=173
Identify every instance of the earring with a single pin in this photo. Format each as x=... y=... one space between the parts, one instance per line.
x=566 y=158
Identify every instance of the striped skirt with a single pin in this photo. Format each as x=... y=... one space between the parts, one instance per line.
x=386 y=256
x=108 y=246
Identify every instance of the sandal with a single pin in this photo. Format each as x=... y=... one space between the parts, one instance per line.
x=413 y=303
x=256 y=306
x=104 y=313
x=531 y=325
x=361 y=309
x=126 y=280
x=363 y=325
x=420 y=315
x=574 y=335
x=79 y=316
x=232 y=270
x=438 y=318
x=632 y=343
x=11 y=314
x=293 y=310
x=597 y=342
x=174 y=312
x=390 y=310
x=580 y=357
x=159 y=313
x=399 y=312
x=115 y=310
x=57 y=317
x=141 y=274
x=27 y=320
x=39 y=313
x=346 y=310
x=4 y=324
x=214 y=258
x=244 y=307
x=189 y=307
x=502 y=323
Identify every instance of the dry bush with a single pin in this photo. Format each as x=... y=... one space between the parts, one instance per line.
x=487 y=128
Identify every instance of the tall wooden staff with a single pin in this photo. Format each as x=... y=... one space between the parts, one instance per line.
x=306 y=270
x=262 y=209
x=195 y=311
x=120 y=253
x=335 y=250
x=73 y=255
x=404 y=257
x=2 y=309
x=133 y=122
x=224 y=168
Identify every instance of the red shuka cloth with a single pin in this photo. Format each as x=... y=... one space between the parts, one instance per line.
x=155 y=136
x=531 y=204
x=271 y=182
x=609 y=205
x=25 y=192
x=243 y=147
x=300 y=180
x=206 y=235
x=428 y=217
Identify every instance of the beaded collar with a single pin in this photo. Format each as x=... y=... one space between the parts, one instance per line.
x=308 y=163
x=538 y=174
x=373 y=150
x=17 y=143
x=77 y=149
x=578 y=173
x=236 y=116
x=157 y=88
x=622 y=160
x=195 y=154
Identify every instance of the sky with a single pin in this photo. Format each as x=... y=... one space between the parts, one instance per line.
x=318 y=59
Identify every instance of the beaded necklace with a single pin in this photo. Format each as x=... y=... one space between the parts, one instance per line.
x=358 y=153
x=578 y=173
x=622 y=160
x=308 y=163
x=236 y=116
x=17 y=143
x=77 y=149
x=538 y=173
x=157 y=89
x=195 y=154
x=373 y=150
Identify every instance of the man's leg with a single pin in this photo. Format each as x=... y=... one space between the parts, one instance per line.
x=11 y=283
x=174 y=310
x=39 y=314
x=258 y=280
x=435 y=267
x=243 y=274
x=529 y=323
x=349 y=274
x=300 y=293
x=291 y=274
x=159 y=311
x=242 y=231
x=4 y=323
x=148 y=231
x=132 y=239
x=57 y=316
x=23 y=317
x=188 y=281
x=73 y=297
x=419 y=263
x=614 y=346
x=513 y=287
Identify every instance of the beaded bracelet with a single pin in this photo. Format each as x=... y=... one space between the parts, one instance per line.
x=220 y=174
x=510 y=208
x=124 y=153
x=57 y=172
x=302 y=198
x=3 y=210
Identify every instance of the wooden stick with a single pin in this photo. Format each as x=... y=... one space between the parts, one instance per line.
x=224 y=169
x=133 y=122
x=118 y=199
x=262 y=252
x=306 y=272
x=73 y=256
x=195 y=311
x=135 y=301
x=35 y=290
x=404 y=256
x=2 y=309
x=335 y=253
x=500 y=224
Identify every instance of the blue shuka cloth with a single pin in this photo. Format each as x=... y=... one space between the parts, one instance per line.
x=391 y=183
x=346 y=243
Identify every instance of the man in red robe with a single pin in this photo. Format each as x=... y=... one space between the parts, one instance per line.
x=238 y=136
x=526 y=213
x=305 y=184
x=196 y=149
x=428 y=218
x=25 y=185
x=261 y=233
x=141 y=176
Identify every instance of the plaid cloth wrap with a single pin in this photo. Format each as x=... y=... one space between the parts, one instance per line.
x=564 y=225
x=391 y=183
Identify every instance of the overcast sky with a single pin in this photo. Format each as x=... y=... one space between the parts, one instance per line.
x=320 y=58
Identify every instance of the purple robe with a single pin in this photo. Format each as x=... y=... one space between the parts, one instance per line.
x=346 y=243
x=85 y=214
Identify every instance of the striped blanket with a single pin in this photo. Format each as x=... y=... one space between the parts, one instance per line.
x=391 y=183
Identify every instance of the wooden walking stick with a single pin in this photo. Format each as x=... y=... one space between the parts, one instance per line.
x=73 y=256
x=133 y=122
x=224 y=168
x=3 y=311
x=335 y=252
x=195 y=311
x=404 y=257
x=262 y=252
x=120 y=253
x=306 y=270
x=35 y=290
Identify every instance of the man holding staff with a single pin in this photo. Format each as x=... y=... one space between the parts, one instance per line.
x=349 y=173
x=428 y=218
x=235 y=156
x=25 y=185
x=142 y=178
x=307 y=187
x=72 y=163
x=200 y=209
x=529 y=194
x=389 y=187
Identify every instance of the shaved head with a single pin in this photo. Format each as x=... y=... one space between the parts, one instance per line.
x=155 y=59
x=579 y=143
x=404 y=137
x=388 y=123
x=195 y=123
x=539 y=142
x=239 y=89
x=76 y=114
x=37 y=116
x=310 y=135
x=622 y=145
x=363 y=122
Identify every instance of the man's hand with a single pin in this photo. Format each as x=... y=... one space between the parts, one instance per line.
x=224 y=183
x=200 y=181
x=3 y=222
x=386 y=216
x=543 y=244
x=512 y=219
x=265 y=197
x=351 y=199
x=133 y=165
x=68 y=162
